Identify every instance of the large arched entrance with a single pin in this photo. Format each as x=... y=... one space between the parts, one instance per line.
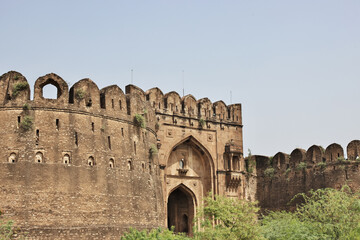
x=180 y=209
x=189 y=178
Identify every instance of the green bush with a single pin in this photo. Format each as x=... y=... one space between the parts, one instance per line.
x=18 y=87
x=26 y=107
x=139 y=121
x=287 y=171
x=341 y=160
x=325 y=214
x=236 y=219
x=321 y=164
x=154 y=234
x=201 y=122
x=26 y=123
x=269 y=172
x=153 y=150
x=79 y=94
x=301 y=166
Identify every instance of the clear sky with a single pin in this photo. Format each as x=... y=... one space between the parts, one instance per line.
x=293 y=65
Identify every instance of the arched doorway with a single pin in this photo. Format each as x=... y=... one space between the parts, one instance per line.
x=180 y=210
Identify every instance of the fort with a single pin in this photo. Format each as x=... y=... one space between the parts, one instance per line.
x=94 y=162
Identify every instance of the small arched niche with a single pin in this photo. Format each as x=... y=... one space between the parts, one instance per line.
x=39 y=157
x=111 y=163
x=66 y=159
x=12 y=158
x=91 y=161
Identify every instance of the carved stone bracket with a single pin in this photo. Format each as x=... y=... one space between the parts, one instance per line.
x=182 y=171
x=233 y=179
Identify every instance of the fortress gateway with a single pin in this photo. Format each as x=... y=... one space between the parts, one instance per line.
x=93 y=163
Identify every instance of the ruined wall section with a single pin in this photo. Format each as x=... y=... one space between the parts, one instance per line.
x=77 y=167
x=281 y=177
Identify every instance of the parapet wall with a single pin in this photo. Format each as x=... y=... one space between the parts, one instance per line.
x=281 y=177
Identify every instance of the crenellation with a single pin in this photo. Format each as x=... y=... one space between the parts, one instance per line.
x=283 y=176
x=334 y=152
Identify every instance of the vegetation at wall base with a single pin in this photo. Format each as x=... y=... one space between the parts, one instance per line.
x=139 y=120
x=324 y=214
x=6 y=229
x=18 y=87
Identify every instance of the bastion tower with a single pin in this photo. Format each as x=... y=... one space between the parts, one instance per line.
x=95 y=162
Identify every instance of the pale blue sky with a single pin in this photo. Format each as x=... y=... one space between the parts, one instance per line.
x=293 y=65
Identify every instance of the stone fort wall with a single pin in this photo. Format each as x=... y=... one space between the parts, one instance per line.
x=79 y=167
x=281 y=177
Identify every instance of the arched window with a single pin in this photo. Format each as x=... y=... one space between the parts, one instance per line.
x=51 y=90
x=129 y=164
x=91 y=161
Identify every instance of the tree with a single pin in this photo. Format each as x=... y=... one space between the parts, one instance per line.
x=325 y=214
x=234 y=218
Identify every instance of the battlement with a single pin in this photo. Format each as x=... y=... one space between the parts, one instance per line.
x=315 y=156
x=85 y=95
x=281 y=177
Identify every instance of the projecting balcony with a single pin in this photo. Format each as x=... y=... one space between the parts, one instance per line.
x=233 y=179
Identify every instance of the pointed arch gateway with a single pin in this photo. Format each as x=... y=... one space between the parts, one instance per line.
x=189 y=177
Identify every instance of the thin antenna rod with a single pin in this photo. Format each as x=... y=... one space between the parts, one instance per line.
x=183 y=83
x=132 y=76
x=230 y=97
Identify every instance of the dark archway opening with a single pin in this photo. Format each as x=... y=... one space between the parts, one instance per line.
x=180 y=209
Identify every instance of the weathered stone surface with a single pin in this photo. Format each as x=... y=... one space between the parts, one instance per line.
x=78 y=167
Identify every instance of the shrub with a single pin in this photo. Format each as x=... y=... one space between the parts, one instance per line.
x=153 y=150
x=301 y=166
x=79 y=94
x=26 y=107
x=6 y=229
x=157 y=233
x=139 y=121
x=287 y=171
x=325 y=214
x=321 y=164
x=18 y=87
x=341 y=159
x=201 y=122
x=26 y=123
x=235 y=218
x=269 y=172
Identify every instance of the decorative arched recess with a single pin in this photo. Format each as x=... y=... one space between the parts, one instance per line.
x=198 y=173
